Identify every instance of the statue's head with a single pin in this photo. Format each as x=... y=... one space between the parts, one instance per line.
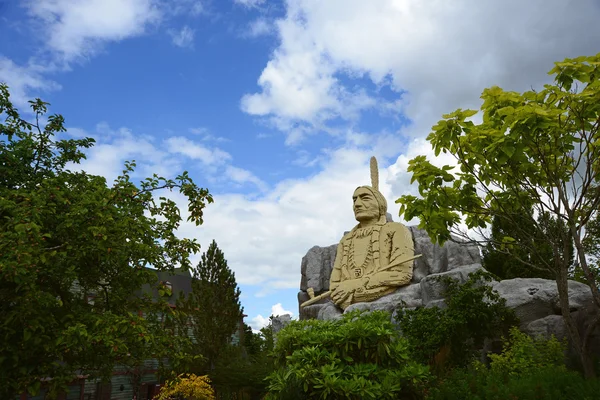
x=369 y=204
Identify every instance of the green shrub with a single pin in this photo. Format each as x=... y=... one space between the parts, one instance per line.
x=526 y=369
x=522 y=354
x=474 y=312
x=360 y=356
x=547 y=383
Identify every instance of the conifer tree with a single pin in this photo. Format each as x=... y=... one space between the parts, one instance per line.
x=213 y=305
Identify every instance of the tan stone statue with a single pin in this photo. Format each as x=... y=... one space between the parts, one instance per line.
x=375 y=257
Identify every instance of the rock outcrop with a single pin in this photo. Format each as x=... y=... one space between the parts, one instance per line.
x=535 y=300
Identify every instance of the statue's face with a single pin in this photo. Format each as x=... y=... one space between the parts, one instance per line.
x=365 y=205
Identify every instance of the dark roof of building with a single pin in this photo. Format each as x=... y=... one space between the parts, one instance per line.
x=180 y=281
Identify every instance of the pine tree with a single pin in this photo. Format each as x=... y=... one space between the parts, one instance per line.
x=213 y=305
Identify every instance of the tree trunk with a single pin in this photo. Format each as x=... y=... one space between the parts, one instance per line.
x=563 y=295
x=588 y=364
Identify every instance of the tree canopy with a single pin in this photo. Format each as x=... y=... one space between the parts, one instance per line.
x=535 y=152
x=73 y=249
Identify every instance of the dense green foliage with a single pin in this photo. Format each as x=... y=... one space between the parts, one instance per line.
x=241 y=370
x=547 y=383
x=521 y=261
x=237 y=373
x=451 y=336
x=526 y=369
x=538 y=151
x=65 y=238
x=213 y=307
x=360 y=356
x=523 y=354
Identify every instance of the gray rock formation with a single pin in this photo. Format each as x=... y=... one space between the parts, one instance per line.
x=535 y=301
x=316 y=268
x=535 y=298
x=437 y=259
x=278 y=323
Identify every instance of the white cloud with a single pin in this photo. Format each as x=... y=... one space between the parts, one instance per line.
x=183 y=37
x=205 y=134
x=278 y=310
x=241 y=176
x=293 y=87
x=265 y=237
x=259 y=27
x=259 y=321
x=250 y=3
x=114 y=147
x=196 y=151
x=78 y=28
x=163 y=157
x=443 y=54
x=24 y=82
x=199 y=131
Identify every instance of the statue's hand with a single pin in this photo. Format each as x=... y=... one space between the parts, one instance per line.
x=387 y=278
x=376 y=281
x=344 y=290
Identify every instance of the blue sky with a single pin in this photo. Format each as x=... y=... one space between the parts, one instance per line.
x=276 y=106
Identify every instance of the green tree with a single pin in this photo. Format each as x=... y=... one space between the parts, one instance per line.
x=253 y=342
x=535 y=150
x=72 y=252
x=213 y=305
x=518 y=261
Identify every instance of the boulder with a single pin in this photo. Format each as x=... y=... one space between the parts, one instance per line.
x=546 y=327
x=329 y=311
x=436 y=259
x=536 y=298
x=278 y=323
x=433 y=289
x=316 y=268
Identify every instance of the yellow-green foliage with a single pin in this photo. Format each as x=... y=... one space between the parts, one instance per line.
x=522 y=353
x=188 y=386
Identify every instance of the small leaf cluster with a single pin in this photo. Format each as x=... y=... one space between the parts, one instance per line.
x=451 y=336
x=360 y=356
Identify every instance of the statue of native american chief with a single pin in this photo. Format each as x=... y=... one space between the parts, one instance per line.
x=375 y=257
